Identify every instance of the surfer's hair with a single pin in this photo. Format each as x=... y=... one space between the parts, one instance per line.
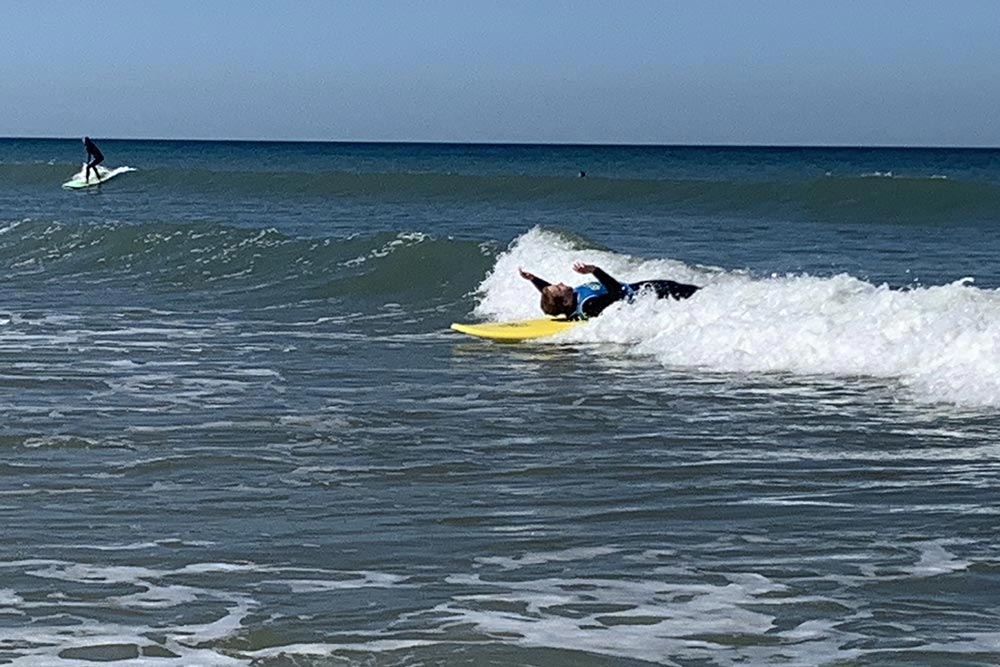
x=554 y=303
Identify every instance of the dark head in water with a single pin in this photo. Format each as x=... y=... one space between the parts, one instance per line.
x=558 y=299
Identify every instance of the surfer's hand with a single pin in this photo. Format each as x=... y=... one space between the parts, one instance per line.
x=525 y=274
x=580 y=267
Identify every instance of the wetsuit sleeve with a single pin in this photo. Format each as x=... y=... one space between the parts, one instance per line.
x=613 y=286
x=539 y=283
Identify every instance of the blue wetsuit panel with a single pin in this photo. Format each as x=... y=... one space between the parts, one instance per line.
x=590 y=291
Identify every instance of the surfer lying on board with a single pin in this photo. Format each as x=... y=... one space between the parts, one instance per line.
x=94 y=158
x=590 y=299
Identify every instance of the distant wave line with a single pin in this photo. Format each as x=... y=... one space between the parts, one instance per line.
x=873 y=196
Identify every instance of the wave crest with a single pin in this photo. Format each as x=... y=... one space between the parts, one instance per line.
x=941 y=342
x=260 y=266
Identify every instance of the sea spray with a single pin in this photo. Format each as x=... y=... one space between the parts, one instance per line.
x=942 y=342
x=550 y=255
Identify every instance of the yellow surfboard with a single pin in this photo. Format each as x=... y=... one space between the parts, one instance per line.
x=512 y=332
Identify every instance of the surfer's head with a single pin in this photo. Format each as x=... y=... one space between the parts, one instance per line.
x=558 y=299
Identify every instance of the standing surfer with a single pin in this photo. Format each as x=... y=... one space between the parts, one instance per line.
x=94 y=158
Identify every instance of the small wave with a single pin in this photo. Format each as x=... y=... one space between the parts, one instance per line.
x=941 y=342
x=870 y=197
x=263 y=266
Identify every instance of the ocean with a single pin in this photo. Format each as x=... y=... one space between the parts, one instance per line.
x=238 y=431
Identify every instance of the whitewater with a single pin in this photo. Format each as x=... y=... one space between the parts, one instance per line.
x=239 y=431
x=940 y=343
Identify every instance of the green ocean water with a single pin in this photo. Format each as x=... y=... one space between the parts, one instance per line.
x=238 y=431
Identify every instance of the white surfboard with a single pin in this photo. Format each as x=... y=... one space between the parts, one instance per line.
x=78 y=181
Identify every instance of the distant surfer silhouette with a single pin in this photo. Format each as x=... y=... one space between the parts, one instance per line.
x=94 y=158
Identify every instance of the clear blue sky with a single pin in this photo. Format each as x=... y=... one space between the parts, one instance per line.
x=886 y=72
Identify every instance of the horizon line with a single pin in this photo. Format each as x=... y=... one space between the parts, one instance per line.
x=567 y=144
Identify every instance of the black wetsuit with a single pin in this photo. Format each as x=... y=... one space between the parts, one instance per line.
x=92 y=152
x=593 y=306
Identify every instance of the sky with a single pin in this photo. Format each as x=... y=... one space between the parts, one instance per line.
x=760 y=72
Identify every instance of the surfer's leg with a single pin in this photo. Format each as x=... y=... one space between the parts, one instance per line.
x=669 y=289
x=92 y=166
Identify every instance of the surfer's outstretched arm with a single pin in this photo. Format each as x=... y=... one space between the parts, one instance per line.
x=535 y=280
x=613 y=286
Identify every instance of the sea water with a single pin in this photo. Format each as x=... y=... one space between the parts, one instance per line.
x=237 y=431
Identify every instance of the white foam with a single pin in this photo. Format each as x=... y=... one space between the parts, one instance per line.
x=12 y=225
x=643 y=619
x=936 y=560
x=76 y=639
x=102 y=171
x=402 y=240
x=537 y=558
x=326 y=650
x=504 y=295
x=350 y=581
x=967 y=642
x=9 y=597
x=942 y=343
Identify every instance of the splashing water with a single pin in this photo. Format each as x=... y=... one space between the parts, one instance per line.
x=942 y=342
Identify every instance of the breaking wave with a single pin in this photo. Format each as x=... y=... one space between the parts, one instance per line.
x=941 y=342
